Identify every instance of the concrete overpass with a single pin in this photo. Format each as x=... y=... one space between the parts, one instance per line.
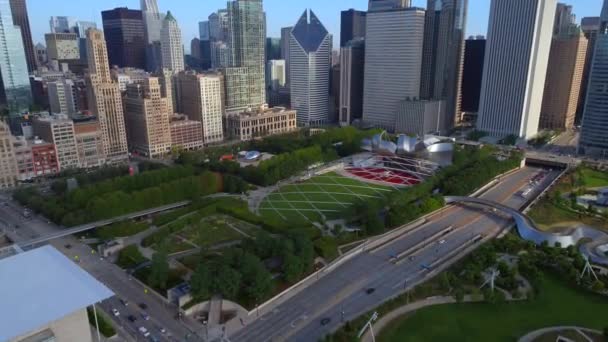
x=98 y=224
x=595 y=249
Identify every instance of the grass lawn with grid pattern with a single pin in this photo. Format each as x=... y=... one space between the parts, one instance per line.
x=329 y=194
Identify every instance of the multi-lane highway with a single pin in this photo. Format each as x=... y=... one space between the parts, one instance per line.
x=372 y=277
x=162 y=324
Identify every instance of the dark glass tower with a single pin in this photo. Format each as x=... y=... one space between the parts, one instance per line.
x=125 y=38
x=352 y=26
x=474 y=52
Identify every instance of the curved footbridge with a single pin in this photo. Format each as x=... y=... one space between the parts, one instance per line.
x=595 y=249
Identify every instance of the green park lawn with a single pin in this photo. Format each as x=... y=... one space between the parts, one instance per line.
x=593 y=178
x=210 y=231
x=330 y=193
x=557 y=304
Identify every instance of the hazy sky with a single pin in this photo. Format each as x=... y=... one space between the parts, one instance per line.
x=279 y=13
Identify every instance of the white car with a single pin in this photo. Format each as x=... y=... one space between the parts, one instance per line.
x=115 y=312
x=442 y=242
x=144 y=331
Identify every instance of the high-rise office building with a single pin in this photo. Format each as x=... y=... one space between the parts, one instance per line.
x=8 y=164
x=220 y=54
x=382 y=5
x=62 y=24
x=472 y=74
x=352 y=64
x=89 y=142
x=275 y=74
x=41 y=55
x=391 y=78
x=564 y=77
x=310 y=57
x=15 y=89
x=200 y=97
x=564 y=19
x=352 y=26
x=124 y=32
x=246 y=41
x=443 y=53
x=20 y=18
x=153 y=23
x=59 y=130
x=203 y=30
x=171 y=44
x=590 y=27
x=147 y=119
x=273 y=48
x=62 y=97
x=594 y=132
x=105 y=99
x=285 y=34
x=517 y=55
x=62 y=46
x=218 y=26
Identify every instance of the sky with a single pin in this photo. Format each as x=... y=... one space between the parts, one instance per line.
x=279 y=13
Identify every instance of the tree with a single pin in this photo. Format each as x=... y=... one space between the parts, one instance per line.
x=445 y=282
x=598 y=286
x=227 y=282
x=159 y=270
x=200 y=282
x=459 y=295
x=606 y=332
x=292 y=268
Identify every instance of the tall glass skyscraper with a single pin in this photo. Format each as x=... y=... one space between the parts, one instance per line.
x=13 y=66
x=594 y=134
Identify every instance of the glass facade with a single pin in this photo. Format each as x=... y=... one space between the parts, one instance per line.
x=13 y=65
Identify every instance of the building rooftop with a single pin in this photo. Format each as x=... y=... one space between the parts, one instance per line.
x=41 y=286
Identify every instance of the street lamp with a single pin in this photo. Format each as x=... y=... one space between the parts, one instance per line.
x=369 y=324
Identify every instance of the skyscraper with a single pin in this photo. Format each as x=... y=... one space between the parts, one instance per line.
x=391 y=78
x=201 y=100
x=352 y=25
x=517 y=54
x=381 y=5
x=20 y=18
x=105 y=99
x=310 y=61
x=147 y=119
x=352 y=63
x=590 y=27
x=443 y=53
x=273 y=48
x=472 y=73
x=594 y=133
x=124 y=32
x=564 y=76
x=246 y=41
x=564 y=19
x=171 y=44
x=285 y=35
x=275 y=74
x=153 y=23
x=62 y=24
x=15 y=89
x=203 y=30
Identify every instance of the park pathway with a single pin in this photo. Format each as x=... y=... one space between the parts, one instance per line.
x=537 y=333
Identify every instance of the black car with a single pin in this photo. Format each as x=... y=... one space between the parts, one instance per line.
x=68 y=246
x=124 y=302
x=143 y=306
x=325 y=321
x=132 y=318
x=370 y=290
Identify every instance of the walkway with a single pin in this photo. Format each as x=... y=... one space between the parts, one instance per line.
x=536 y=334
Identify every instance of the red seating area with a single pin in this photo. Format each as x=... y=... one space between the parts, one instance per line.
x=382 y=175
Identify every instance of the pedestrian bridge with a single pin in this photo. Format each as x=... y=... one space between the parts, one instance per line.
x=593 y=242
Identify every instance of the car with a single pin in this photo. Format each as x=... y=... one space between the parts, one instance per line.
x=144 y=331
x=325 y=321
x=143 y=306
x=153 y=338
x=412 y=258
x=145 y=316
x=124 y=302
x=68 y=246
x=442 y=242
x=132 y=318
x=162 y=330
x=115 y=312
x=370 y=290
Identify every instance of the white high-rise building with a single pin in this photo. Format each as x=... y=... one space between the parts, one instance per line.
x=153 y=23
x=171 y=45
x=200 y=97
x=59 y=130
x=393 y=62
x=62 y=24
x=310 y=60
x=62 y=97
x=275 y=74
x=517 y=56
x=594 y=133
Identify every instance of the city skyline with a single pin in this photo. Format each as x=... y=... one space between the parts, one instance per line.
x=279 y=13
